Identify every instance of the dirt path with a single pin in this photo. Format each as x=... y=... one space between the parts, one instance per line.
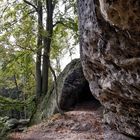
x=84 y=123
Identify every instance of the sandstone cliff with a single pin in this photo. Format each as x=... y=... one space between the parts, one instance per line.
x=110 y=53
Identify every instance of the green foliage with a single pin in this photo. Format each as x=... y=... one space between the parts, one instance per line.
x=8 y=104
x=18 y=46
x=65 y=36
x=17 y=57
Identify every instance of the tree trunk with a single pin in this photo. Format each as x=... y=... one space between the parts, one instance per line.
x=39 y=51
x=47 y=45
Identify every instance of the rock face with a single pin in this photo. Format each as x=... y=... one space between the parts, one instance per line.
x=110 y=53
x=72 y=89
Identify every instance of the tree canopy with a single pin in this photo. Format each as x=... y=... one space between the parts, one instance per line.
x=34 y=35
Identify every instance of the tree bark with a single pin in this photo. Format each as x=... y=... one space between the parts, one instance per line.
x=47 y=45
x=39 y=50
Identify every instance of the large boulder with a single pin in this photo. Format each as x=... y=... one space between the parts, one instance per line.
x=72 y=88
x=110 y=54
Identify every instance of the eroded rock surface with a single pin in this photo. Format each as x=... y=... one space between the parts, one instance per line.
x=122 y=13
x=110 y=53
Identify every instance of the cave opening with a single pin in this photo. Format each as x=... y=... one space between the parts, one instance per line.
x=79 y=98
x=86 y=101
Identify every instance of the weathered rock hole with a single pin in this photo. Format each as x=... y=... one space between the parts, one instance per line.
x=84 y=100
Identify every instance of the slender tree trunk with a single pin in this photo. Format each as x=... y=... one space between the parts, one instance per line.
x=47 y=45
x=39 y=51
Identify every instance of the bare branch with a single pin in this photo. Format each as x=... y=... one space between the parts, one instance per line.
x=29 y=3
x=4 y=10
x=28 y=49
x=58 y=22
x=15 y=81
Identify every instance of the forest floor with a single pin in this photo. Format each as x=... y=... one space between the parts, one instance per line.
x=83 y=123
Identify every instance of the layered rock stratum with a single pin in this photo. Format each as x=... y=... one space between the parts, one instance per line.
x=110 y=54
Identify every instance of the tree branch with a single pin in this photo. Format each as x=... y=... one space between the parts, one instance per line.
x=15 y=80
x=58 y=22
x=29 y=3
x=28 y=49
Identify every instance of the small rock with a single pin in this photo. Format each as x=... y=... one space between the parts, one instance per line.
x=81 y=127
x=11 y=123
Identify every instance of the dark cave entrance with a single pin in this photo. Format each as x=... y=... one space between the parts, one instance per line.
x=79 y=98
x=86 y=101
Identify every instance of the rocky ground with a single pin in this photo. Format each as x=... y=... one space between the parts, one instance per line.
x=84 y=123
